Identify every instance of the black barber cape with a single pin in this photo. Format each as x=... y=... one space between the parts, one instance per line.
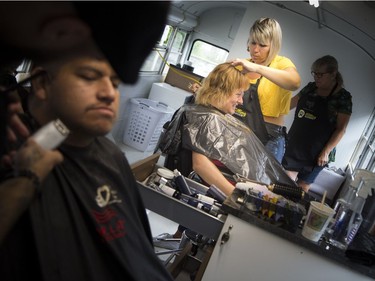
x=88 y=223
x=251 y=114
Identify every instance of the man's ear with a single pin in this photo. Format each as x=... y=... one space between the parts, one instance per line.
x=40 y=83
x=65 y=32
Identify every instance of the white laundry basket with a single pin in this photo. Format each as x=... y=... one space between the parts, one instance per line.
x=145 y=123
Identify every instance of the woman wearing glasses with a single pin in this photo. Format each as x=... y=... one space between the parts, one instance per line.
x=323 y=110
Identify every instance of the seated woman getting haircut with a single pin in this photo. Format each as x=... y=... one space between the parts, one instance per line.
x=217 y=140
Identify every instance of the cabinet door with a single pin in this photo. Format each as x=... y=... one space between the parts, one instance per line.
x=252 y=253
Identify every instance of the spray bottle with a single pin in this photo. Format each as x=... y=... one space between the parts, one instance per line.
x=343 y=202
x=349 y=216
x=350 y=193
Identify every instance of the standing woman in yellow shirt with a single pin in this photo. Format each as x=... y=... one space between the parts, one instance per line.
x=272 y=80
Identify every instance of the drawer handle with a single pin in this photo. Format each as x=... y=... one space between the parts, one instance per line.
x=225 y=237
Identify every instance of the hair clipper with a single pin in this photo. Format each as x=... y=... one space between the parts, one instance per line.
x=51 y=135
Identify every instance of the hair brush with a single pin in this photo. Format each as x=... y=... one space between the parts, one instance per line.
x=287 y=190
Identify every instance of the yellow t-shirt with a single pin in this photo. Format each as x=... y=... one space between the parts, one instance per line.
x=274 y=100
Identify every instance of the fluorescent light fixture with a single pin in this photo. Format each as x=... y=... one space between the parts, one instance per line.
x=314 y=3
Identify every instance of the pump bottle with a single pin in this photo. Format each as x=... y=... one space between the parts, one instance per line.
x=349 y=194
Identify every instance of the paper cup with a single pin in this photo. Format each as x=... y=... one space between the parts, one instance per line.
x=317 y=220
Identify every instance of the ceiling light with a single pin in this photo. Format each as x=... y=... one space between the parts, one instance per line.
x=314 y=3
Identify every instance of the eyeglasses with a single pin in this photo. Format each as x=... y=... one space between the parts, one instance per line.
x=318 y=74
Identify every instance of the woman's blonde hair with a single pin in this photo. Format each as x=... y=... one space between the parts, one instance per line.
x=266 y=31
x=220 y=84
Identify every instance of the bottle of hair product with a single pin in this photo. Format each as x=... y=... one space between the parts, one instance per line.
x=349 y=217
x=181 y=183
x=343 y=203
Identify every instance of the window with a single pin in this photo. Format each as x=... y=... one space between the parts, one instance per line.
x=154 y=62
x=178 y=44
x=205 y=56
x=364 y=154
x=168 y=48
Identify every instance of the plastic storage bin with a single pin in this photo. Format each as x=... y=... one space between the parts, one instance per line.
x=145 y=123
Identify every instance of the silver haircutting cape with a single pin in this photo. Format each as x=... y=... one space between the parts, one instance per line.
x=222 y=137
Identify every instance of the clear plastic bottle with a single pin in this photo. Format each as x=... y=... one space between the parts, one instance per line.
x=342 y=206
x=345 y=226
x=349 y=217
x=346 y=199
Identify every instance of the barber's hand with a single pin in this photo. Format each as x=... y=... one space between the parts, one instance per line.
x=245 y=65
x=194 y=87
x=15 y=127
x=323 y=158
x=14 y=124
x=33 y=157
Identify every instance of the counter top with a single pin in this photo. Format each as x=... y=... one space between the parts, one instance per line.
x=321 y=247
